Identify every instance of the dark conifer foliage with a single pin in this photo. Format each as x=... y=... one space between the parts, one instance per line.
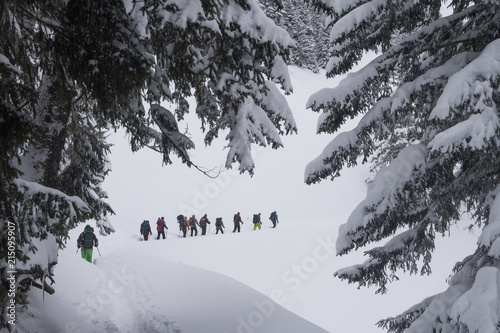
x=70 y=71
x=307 y=27
x=428 y=107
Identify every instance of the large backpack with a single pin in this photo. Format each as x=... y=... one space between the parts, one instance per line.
x=273 y=216
x=144 y=226
x=203 y=222
x=88 y=238
x=255 y=218
x=218 y=221
x=235 y=218
x=181 y=220
x=191 y=221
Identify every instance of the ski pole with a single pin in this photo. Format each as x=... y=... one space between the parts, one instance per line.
x=98 y=251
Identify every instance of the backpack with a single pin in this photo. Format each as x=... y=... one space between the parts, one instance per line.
x=181 y=220
x=144 y=226
x=88 y=238
x=273 y=216
x=235 y=218
x=255 y=218
x=202 y=222
x=218 y=221
x=191 y=221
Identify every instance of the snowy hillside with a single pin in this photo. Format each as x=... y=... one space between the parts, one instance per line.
x=272 y=280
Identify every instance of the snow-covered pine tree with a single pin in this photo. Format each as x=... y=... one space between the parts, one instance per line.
x=73 y=70
x=434 y=89
x=306 y=26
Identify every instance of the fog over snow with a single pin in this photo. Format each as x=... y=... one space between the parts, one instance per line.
x=269 y=280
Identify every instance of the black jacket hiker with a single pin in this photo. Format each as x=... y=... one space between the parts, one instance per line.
x=203 y=224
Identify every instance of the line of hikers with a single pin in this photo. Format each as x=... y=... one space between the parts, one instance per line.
x=192 y=224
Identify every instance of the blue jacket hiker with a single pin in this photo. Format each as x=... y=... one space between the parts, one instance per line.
x=87 y=240
x=145 y=229
x=160 y=227
x=274 y=218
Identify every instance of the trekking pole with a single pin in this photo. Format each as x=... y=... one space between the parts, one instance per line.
x=77 y=249
x=98 y=251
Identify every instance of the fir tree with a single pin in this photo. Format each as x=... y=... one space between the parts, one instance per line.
x=73 y=70
x=433 y=90
x=306 y=26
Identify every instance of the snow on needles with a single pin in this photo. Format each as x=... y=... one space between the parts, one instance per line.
x=471 y=86
x=462 y=85
x=382 y=190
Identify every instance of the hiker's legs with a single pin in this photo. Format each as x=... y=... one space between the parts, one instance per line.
x=255 y=226
x=235 y=227
x=203 y=230
x=87 y=254
x=259 y=225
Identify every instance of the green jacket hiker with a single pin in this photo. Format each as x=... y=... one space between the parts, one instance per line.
x=87 y=240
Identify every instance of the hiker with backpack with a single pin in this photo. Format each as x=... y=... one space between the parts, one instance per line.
x=87 y=240
x=256 y=221
x=219 y=225
x=160 y=227
x=237 y=220
x=274 y=218
x=145 y=229
x=193 y=222
x=182 y=224
x=203 y=224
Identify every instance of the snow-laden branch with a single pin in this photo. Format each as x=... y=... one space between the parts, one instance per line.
x=382 y=194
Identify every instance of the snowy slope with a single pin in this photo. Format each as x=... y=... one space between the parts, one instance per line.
x=135 y=288
x=224 y=283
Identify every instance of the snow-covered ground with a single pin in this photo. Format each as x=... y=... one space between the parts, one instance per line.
x=272 y=280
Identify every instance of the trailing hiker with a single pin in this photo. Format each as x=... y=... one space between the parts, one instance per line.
x=256 y=221
x=160 y=227
x=87 y=240
x=182 y=224
x=274 y=218
x=145 y=229
x=237 y=220
x=193 y=222
x=219 y=225
x=203 y=224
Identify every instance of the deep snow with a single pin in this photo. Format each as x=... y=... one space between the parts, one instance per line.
x=224 y=283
